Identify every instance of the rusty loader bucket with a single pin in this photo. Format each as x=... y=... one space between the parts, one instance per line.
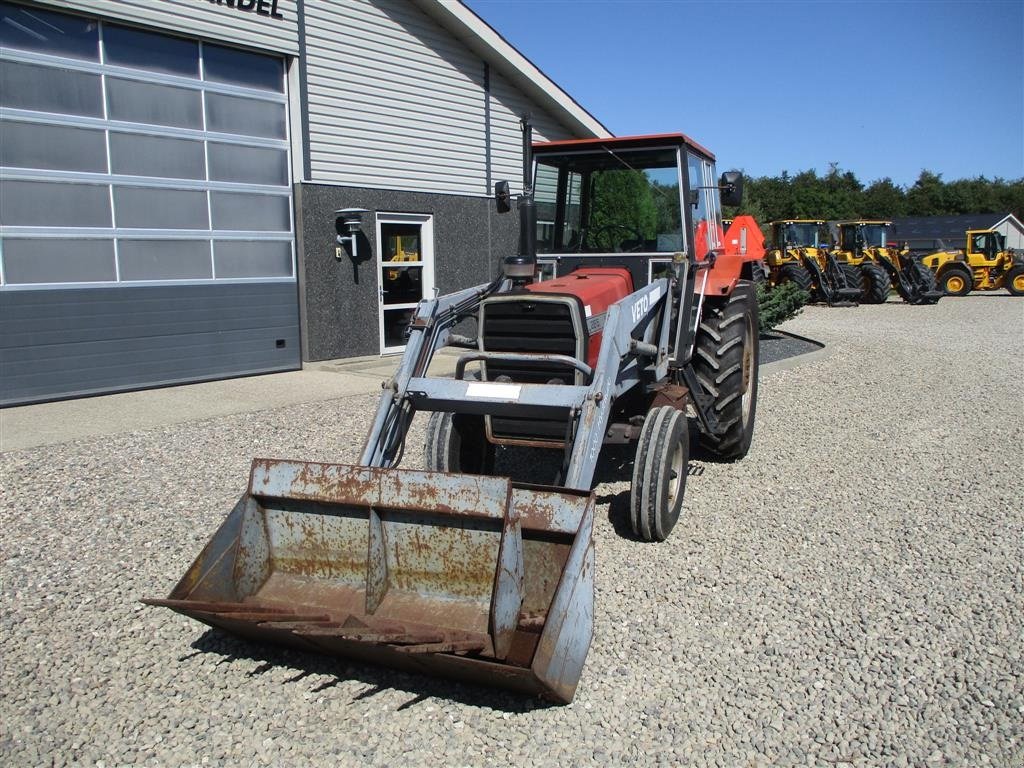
x=471 y=577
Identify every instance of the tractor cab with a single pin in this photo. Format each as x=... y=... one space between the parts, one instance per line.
x=633 y=202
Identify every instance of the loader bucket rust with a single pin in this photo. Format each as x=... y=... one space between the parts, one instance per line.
x=470 y=577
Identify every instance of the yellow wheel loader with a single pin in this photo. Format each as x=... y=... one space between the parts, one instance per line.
x=985 y=265
x=869 y=247
x=800 y=254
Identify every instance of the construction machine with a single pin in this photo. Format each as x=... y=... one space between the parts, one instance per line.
x=643 y=320
x=986 y=264
x=868 y=246
x=800 y=254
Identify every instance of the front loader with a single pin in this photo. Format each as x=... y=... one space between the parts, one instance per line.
x=800 y=255
x=868 y=247
x=453 y=571
x=986 y=264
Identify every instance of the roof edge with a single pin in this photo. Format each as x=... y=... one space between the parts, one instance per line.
x=483 y=39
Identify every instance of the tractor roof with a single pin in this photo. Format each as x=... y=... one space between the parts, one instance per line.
x=626 y=142
x=864 y=221
x=798 y=221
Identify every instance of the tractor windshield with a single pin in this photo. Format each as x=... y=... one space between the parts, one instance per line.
x=609 y=202
x=804 y=234
x=875 y=235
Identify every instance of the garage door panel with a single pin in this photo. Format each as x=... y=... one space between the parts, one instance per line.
x=89 y=315
x=243 y=329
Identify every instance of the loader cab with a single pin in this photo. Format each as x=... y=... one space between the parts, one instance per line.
x=857 y=235
x=631 y=201
x=799 y=234
x=985 y=243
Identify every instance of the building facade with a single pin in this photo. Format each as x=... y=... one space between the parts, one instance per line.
x=170 y=171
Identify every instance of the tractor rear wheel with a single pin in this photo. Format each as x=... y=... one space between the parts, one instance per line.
x=659 y=473
x=1015 y=281
x=876 y=282
x=956 y=281
x=456 y=443
x=725 y=361
x=796 y=274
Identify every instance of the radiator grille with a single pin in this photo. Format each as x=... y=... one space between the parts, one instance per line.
x=522 y=325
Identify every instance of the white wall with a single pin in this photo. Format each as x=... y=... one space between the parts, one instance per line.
x=397 y=102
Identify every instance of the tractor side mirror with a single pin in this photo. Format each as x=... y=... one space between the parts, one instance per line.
x=731 y=185
x=502 y=197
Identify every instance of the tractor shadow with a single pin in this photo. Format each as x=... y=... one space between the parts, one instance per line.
x=323 y=672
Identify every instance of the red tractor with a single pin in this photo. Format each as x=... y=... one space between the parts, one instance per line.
x=621 y=316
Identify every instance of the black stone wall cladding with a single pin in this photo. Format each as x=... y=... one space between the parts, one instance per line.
x=338 y=299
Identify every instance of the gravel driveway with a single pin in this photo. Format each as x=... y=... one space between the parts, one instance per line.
x=852 y=593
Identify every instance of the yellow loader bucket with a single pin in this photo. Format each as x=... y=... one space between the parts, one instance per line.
x=471 y=577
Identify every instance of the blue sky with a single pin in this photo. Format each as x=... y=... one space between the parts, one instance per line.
x=882 y=88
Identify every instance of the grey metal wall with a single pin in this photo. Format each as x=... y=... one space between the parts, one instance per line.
x=211 y=19
x=396 y=101
x=80 y=341
x=339 y=299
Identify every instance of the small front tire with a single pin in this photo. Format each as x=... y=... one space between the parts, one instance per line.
x=456 y=443
x=659 y=473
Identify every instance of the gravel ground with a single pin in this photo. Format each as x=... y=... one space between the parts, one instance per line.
x=852 y=593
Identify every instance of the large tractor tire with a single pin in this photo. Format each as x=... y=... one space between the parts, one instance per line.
x=876 y=282
x=456 y=443
x=956 y=281
x=854 y=279
x=926 y=279
x=725 y=361
x=798 y=275
x=1015 y=281
x=659 y=473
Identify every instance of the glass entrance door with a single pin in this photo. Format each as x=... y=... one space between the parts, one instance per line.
x=405 y=262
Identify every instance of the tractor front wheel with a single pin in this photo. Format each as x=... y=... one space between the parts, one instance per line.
x=659 y=473
x=957 y=282
x=456 y=443
x=725 y=361
x=1015 y=281
x=876 y=282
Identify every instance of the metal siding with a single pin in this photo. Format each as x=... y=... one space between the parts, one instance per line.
x=395 y=101
x=71 y=342
x=508 y=104
x=200 y=18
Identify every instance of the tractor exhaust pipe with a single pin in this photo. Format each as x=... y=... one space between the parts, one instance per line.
x=521 y=267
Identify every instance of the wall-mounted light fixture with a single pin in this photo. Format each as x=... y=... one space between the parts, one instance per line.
x=348 y=224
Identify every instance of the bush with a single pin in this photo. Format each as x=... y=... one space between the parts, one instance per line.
x=779 y=304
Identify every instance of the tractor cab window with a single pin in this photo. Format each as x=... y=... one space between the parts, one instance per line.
x=707 y=218
x=618 y=202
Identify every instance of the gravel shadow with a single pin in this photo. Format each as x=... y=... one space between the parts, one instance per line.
x=419 y=686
